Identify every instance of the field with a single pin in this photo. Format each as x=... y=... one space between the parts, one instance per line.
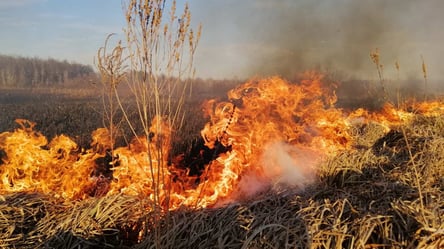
x=385 y=190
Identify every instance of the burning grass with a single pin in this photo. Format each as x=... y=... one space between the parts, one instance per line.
x=379 y=184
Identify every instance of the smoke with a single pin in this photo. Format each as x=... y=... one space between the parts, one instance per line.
x=288 y=165
x=284 y=37
x=284 y=166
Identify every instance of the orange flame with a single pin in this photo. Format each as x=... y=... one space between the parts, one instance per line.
x=276 y=132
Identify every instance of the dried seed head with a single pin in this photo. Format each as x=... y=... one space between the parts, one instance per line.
x=173 y=11
x=165 y=29
x=199 y=32
x=191 y=38
x=177 y=56
x=375 y=56
x=424 y=68
x=397 y=65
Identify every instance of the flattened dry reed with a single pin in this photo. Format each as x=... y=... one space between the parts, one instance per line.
x=30 y=220
x=19 y=214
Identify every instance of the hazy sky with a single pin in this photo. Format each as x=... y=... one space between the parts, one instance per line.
x=244 y=38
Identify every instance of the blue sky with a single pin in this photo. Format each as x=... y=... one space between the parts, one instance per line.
x=249 y=37
x=71 y=30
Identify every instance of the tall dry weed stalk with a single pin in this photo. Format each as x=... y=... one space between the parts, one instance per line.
x=158 y=58
x=160 y=50
x=112 y=71
x=398 y=86
x=424 y=74
x=375 y=56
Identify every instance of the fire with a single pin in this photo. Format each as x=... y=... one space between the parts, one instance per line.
x=269 y=133
x=270 y=125
x=32 y=163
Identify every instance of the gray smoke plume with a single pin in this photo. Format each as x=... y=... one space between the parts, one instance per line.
x=284 y=37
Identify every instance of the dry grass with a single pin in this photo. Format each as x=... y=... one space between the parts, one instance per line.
x=364 y=198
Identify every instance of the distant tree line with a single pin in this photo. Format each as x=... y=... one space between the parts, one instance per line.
x=34 y=72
